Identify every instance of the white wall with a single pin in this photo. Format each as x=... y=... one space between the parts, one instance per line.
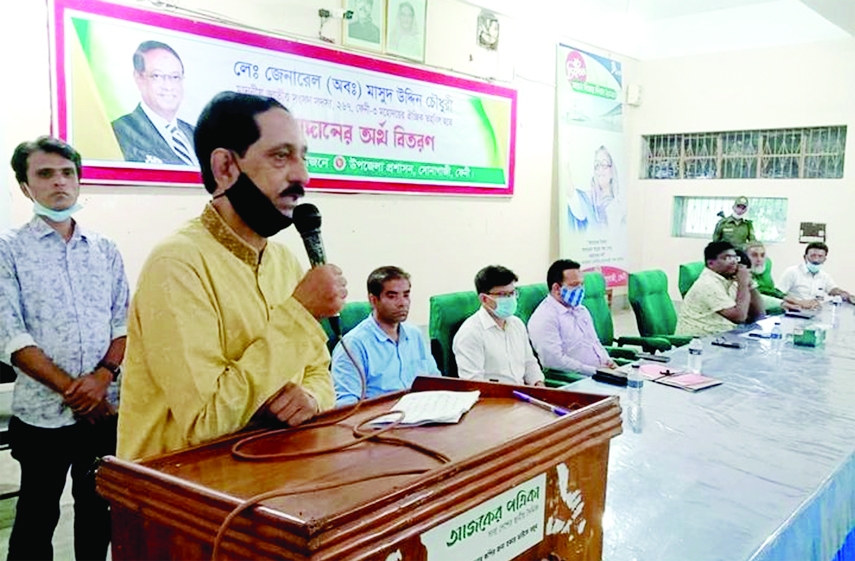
x=801 y=86
x=441 y=240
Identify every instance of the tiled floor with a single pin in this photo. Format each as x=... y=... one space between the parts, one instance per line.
x=63 y=546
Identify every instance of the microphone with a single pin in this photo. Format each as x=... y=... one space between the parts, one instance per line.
x=307 y=220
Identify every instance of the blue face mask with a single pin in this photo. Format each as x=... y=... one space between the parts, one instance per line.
x=55 y=215
x=813 y=268
x=505 y=306
x=572 y=296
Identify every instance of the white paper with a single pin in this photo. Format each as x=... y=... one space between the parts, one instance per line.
x=432 y=407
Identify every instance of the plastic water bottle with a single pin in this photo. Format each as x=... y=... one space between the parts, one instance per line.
x=835 y=302
x=634 y=383
x=696 y=356
x=777 y=338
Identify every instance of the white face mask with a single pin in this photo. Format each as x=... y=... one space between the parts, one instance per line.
x=55 y=215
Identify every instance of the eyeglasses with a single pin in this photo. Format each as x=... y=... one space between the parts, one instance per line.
x=729 y=257
x=504 y=294
x=165 y=78
x=602 y=165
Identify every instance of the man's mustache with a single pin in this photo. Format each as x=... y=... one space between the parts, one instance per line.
x=293 y=190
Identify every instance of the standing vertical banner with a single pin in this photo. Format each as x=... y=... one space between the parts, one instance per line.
x=592 y=203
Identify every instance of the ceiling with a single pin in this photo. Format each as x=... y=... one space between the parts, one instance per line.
x=648 y=29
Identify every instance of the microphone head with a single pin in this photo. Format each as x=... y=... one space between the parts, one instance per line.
x=307 y=218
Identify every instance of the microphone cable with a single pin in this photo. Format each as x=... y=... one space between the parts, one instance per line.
x=360 y=433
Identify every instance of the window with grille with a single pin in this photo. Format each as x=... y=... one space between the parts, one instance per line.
x=812 y=153
x=696 y=217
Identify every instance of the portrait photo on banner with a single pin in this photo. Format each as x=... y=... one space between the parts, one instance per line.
x=595 y=195
x=136 y=94
x=366 y=29
x=405 y=35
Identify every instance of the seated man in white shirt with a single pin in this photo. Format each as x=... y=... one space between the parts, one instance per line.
x=807 y=283
x=722 y=296
x=492 y=344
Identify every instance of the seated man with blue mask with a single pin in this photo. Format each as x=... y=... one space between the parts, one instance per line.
x=390 y=352
x=808 y=284
x=561 y=329
x=492 y=344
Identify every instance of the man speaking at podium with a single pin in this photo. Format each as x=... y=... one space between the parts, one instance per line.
x=223 y=326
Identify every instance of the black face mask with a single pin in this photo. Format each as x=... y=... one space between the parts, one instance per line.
x=254 y=208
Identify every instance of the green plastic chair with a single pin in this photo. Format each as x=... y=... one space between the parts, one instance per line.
x=654 y=310
x=596 y=300
x=689 y=273
x=351 y=315
x=447 y=313
x=531 y=295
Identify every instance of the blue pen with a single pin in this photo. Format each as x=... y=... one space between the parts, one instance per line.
x=542 y=404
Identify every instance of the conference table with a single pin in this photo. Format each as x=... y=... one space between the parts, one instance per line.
x=759 y=468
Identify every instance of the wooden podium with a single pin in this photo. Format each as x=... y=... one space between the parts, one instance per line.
x=523 y=483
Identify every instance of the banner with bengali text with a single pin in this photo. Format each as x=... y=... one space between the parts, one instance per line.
x=371 y=125
x=592 y=207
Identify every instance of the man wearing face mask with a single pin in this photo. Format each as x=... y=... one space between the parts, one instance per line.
x=223 y=327
x=735 y=228
x=809 y=282
x=63 y=319
x=561 y=329
x=492 y=344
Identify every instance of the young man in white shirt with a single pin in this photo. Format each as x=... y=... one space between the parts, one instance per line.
x=492 y=344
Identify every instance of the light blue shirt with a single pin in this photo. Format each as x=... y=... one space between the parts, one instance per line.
x=389 y=366
x=68 y=299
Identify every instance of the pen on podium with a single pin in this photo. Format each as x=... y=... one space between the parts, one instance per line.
x=542 y=404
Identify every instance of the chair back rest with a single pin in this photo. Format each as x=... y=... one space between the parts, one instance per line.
x=350 y=316
x=649 y=298
x=447 y=313
x=689 y=273
x=597 y=302
x=531 y=295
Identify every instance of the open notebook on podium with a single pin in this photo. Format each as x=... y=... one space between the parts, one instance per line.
x=440 y=406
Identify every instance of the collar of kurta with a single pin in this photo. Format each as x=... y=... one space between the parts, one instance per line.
x=223 y=233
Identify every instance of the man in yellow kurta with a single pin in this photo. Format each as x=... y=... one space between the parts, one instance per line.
x=223 y=326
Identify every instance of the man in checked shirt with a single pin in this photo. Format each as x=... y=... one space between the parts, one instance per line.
x=63 y=319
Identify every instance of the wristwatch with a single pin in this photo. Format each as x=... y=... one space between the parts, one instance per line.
x=114 y=369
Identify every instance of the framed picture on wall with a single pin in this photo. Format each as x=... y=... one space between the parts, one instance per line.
x=405 y=31
x=367 y=27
